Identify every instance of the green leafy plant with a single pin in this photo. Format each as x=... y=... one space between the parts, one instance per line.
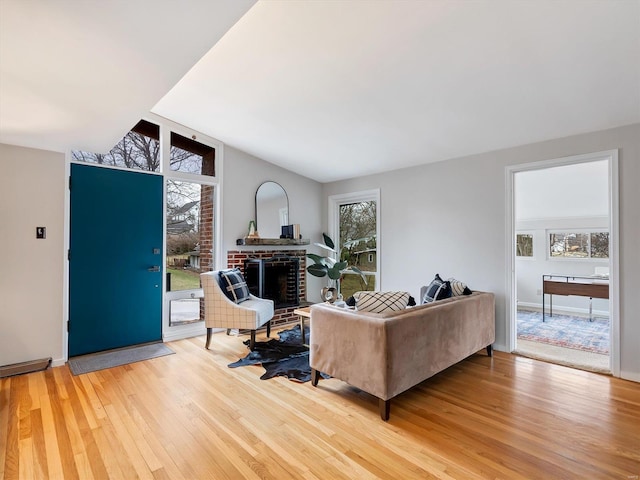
x=327 y=266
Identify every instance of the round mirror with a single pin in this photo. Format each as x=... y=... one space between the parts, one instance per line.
x=272 y=209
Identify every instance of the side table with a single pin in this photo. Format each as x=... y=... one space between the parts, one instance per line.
x=303 y=313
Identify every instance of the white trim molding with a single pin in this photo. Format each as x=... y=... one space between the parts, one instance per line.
x=354 y=197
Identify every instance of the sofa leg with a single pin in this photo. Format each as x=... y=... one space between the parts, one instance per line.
x=315 y=376
x=268 y=328
x=252 y=342
x=385 y=407
x=209 y=331
x=490 y=350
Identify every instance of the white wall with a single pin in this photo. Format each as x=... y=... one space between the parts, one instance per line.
x=449 y=218
x=243 y=174
x=32 y=193
x=580 y=190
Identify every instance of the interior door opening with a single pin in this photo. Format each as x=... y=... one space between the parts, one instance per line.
x=563 y=246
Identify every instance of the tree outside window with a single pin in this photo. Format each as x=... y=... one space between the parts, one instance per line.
x=578 y=245
x=524 y=245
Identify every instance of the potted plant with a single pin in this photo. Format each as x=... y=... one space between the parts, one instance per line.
x=328 y=266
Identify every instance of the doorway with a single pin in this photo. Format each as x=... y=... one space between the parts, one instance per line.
x=563 y=228
x=115 y=259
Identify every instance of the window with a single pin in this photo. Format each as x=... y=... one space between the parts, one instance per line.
x=137 y=150
x=189 y=156
x=190 y=204
x=579 y=244
x=524 y=245
x=355 y=227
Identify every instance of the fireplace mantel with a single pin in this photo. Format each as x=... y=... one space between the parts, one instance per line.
x=271 y=241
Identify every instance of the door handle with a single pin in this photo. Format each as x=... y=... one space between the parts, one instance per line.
x=155 y=268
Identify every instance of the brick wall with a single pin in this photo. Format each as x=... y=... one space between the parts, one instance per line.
x=206 y=233
x=236 y=258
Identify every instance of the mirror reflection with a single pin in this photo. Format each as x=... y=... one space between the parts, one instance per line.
x=272 y=209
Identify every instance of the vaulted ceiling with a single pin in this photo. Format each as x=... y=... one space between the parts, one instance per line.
x=324 y=88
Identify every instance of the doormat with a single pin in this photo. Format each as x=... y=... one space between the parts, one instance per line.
x=565 y=331
x=284 y=357
x=116 y=358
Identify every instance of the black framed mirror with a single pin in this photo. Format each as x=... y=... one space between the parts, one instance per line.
x=272 y=209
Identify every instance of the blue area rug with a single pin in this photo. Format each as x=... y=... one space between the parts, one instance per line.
x=565 y=331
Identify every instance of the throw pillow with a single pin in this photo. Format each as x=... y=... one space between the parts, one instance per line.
x=378 y=302
x=233 y=285
x=459 y=288
x=438 y=289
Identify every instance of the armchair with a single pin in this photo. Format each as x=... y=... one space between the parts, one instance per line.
x=222 y=312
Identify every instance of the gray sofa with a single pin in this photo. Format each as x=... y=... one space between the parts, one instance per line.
x=385 y=354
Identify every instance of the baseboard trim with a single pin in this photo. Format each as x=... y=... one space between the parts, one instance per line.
x=632 y=376
x=25 y=367
x=500 y=347
x=186 y=332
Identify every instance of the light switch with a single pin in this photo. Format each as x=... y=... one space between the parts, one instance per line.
x=41 y=232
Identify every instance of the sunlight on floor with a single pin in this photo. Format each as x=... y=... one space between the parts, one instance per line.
x=570 y=357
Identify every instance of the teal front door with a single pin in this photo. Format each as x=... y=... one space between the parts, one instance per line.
x=115 y=259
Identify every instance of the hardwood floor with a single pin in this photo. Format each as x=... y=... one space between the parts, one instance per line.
x=188 y=416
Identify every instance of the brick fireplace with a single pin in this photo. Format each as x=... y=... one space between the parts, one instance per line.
x=236 y=258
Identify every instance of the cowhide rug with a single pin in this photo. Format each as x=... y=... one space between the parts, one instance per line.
x=284 y=357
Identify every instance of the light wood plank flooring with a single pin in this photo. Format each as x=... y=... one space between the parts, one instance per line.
x=189 y=416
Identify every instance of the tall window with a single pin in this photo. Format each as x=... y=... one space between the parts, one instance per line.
x=355 y=226
x=190 y=222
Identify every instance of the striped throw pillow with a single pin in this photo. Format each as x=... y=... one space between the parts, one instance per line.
x=459 y=288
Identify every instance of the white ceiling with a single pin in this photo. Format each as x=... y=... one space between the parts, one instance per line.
x=81 y=73
x=328 y=89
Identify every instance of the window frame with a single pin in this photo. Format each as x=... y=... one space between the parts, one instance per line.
x=335 y=201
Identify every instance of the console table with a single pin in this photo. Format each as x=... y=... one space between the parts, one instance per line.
x=592 y=287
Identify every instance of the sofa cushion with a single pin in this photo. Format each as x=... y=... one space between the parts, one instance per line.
x=233 y=285
x=458 y=288
x=438 y=289
x=378 y=302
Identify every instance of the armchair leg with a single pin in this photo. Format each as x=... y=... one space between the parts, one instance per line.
x=209 y=331
x=252 y=343
x=384 y=406
x=268 y=328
